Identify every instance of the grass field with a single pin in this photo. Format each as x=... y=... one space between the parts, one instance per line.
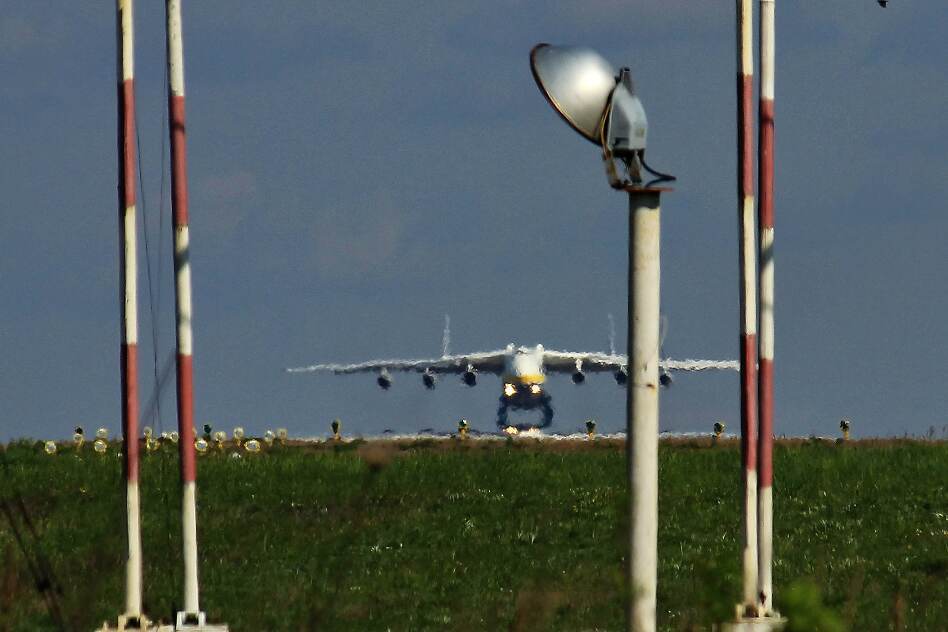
x=476 y=535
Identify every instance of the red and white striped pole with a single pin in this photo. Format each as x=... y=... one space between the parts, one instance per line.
x=748 y=293
x=182 y=277
x=128 y=280
x=765 y=148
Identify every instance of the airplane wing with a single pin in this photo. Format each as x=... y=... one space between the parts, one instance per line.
x=482 y=362
x=566 y=362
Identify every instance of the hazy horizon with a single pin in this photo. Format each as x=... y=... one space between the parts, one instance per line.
x=358 y=170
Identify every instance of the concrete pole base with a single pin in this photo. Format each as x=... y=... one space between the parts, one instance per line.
x=773 y=621
x=127 y=623
x=195 y=622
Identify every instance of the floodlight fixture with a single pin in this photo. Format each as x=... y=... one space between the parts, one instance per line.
x=600 y=104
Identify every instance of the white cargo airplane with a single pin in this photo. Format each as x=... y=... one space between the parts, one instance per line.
x=522 y=369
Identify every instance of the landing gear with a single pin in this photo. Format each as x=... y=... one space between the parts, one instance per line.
x=543 y=403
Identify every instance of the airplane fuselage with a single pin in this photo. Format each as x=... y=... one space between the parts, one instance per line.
x=523 y=374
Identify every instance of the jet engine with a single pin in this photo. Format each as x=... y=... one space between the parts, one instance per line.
x=428 y=378
x=665 y=378
x=622 y=376
x=469 y=377
x=384 y=380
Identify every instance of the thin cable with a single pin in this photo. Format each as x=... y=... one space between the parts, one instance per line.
x=155 y=304
x=38 y=564
x=661 y=177
x=165 y=497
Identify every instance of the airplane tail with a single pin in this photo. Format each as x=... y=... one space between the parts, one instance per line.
x=612 y=335
x=662 y=332
x=446 y=337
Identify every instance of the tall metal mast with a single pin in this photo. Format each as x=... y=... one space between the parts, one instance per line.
x=128 y=281
x=182 y=280
x=766 y=227
x=748 y=297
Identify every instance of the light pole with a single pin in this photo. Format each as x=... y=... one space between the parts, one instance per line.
x=602 y=106
x=642 y=404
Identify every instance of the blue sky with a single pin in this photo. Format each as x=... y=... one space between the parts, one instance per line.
x=358 y=170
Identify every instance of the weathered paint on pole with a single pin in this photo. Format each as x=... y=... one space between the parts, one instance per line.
x=766 y=223
x=748 y=299
x=182 y=274
x=125 y=41
x=642 y=404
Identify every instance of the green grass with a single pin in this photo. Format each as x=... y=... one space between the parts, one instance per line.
x=441 y=536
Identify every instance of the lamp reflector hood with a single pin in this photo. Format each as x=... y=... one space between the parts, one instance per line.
x=577 y=82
